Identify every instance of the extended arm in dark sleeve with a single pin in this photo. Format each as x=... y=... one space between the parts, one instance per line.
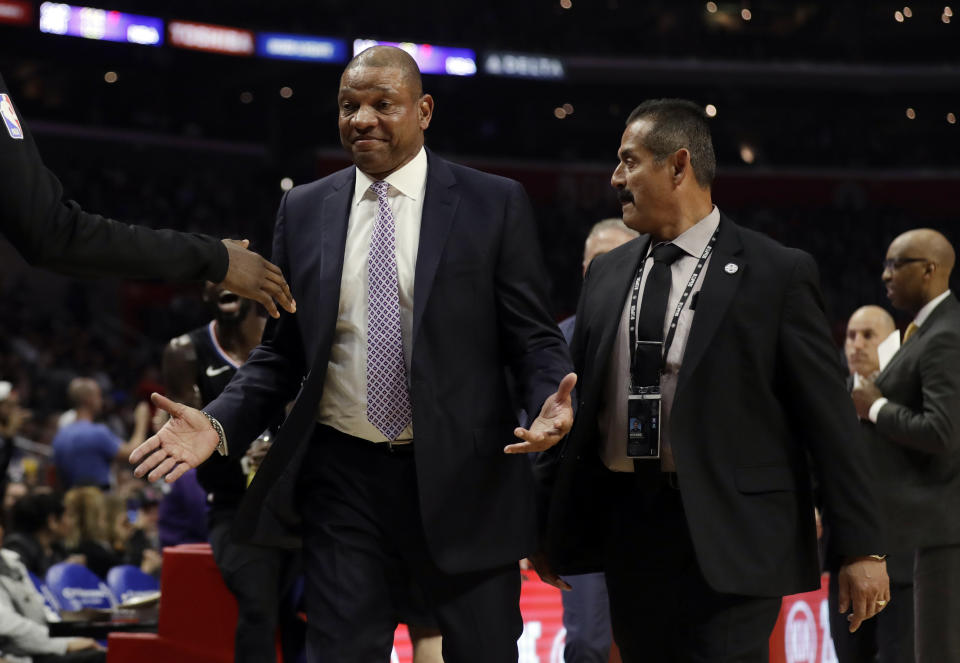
x=56 y=234
x=534 y=345
x=272 y=374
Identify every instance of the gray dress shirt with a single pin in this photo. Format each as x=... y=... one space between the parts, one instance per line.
x=613 y=412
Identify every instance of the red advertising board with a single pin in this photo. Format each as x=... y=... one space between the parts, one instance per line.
x=802 y=632
x=543 y=632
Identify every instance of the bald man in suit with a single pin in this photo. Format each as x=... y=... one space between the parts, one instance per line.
x=913 y=410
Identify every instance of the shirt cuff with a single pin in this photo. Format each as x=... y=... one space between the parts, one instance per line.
x=875 y=408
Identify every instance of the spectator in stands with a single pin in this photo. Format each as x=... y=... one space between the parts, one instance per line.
x=84 y=451
x=182 y=515
x=586 y=607
x=24 y=635
x=87 y=509
x=39 y=525
x=13 y=492
x=913 y=410
x=134 y=542
x=12 y=417
x=890 y=634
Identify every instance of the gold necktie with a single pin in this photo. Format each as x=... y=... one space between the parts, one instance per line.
x=909 y=332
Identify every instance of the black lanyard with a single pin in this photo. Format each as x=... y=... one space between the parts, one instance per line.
x=691 y=282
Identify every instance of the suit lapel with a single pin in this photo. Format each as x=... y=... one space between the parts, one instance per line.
x=914 y=342
x=610 y=308
x=439 y=206
x=719 y=286
x=332 y=217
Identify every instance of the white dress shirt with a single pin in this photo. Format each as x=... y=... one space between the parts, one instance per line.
x=613 y=413
x=344 y=402
x=922 y=316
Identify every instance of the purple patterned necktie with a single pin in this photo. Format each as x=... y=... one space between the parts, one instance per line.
x=388 y=401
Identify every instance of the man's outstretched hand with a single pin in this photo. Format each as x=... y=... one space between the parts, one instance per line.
x=555 y=420
x=254 y=277
x=185 y=441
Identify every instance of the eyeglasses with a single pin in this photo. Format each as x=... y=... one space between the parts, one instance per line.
x=896 y=263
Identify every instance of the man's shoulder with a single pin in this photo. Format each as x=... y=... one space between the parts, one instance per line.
x=760 y=243
x=772 y=257
x=945 y=318
x=469 y=176
x=322 y=186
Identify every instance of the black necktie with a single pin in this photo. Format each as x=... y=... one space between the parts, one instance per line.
x=653 y=308
x=647 y=359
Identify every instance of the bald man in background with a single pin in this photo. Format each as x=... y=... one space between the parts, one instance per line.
x=914 y=412
x=889 y=637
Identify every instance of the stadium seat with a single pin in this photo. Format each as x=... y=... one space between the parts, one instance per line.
x=50 y=604
x=127 y=582
x=76 y=587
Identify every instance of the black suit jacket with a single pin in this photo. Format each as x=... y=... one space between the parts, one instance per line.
x=759 y=388
x=56 y=234
x=480 y=306
x=917 y=434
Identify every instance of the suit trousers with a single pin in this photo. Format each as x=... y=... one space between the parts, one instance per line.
x=258 y=576
x=887 y=638
x=586 y=617
x=661 y=607
x=365 y=550
x=936 y=583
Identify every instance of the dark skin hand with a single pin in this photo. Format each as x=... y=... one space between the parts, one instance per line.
x=254 y=277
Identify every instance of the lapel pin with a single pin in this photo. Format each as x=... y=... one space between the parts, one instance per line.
x=731 y=268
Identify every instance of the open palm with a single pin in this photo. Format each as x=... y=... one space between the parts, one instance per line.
x=555 y=420
x=185 y=441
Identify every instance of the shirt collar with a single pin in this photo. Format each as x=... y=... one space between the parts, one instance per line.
x=410 y=179
x=927 y=309
x=694 y=240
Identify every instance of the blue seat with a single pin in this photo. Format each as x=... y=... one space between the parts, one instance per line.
x=49 y=600
x=76 y=587
x=127 y=582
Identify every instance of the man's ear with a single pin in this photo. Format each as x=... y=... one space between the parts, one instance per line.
x=680 y=163
x=425 y=111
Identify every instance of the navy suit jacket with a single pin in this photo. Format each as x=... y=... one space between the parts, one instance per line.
x=480 y=306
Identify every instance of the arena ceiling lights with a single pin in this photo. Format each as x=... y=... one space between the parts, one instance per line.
x=431 y=59
x=100 y=24
x=16 y=12
x=108 y=25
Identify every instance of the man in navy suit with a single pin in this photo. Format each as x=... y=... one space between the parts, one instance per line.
x=418 y=281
